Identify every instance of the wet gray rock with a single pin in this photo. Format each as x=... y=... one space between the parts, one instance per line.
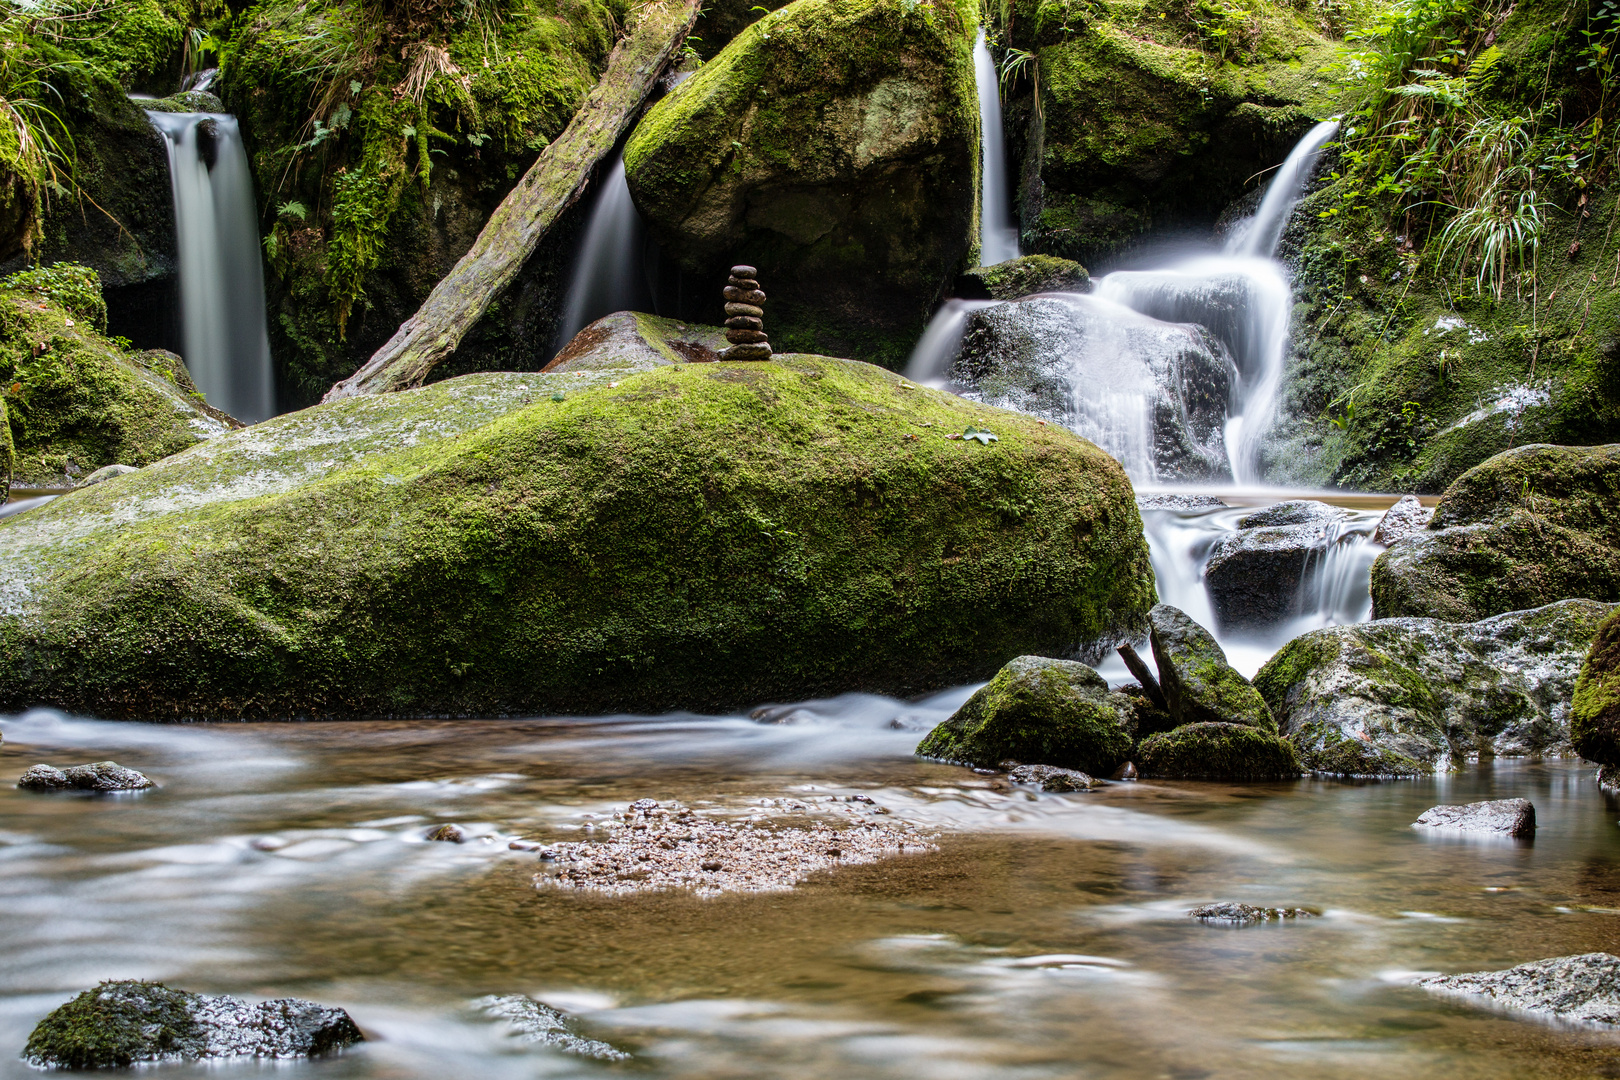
x=1256 y=575
x=538 y=1023
x=1509 y=817
x=1028 y=355
x=119 y=1024
x=1178 y=501
x=1406 y=517
x=1406 y=697
x=1583 y=988
x=1242 y=914
x=1198 y=684
x=1051 y=778
x=96 y=776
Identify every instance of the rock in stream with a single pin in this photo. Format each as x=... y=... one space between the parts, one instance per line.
x=96 y=776
x=1505 y=817
x=1583 y=988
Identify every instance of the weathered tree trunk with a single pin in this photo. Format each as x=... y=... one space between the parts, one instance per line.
x=553 y=184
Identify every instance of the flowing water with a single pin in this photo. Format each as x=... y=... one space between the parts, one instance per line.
x=227 y=349
x=1047 y=937
x=998 y=236
x=607 y=274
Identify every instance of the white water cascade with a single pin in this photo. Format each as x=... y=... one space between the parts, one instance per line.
x=998 y=236
x=227 y=348
x=607 y=273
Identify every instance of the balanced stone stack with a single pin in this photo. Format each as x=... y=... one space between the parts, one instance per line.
x=745 y=317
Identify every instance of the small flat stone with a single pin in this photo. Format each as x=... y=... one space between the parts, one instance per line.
x=746 y=352
x=747 y=337
x=744 y=271
x=743 y=283
x=1052 y=778
x=743 y=296
x=1506 y=817
x=745 y=322
x=745 y=309
x=1583 y=988
x=449 y=834
x=1247 y=913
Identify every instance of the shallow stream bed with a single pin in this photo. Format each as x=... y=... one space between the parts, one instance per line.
x=1047 y=937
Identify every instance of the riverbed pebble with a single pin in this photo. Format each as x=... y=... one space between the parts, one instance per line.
x=1509 y=817
x=1583 y=988
x=96 y=776
x=1052 y=778
x=652 y=847
x=1246 y=913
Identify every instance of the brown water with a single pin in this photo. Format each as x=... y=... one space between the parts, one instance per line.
x=1046 y=938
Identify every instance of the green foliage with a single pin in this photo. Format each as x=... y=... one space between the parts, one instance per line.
x=76 y=288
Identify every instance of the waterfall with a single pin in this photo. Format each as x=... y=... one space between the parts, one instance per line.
x=227 y=348
x=930 y=362
x=607 y=274
x=1260 y=234
x=998 y=236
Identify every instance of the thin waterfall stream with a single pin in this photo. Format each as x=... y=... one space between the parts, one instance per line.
x=998 y=236
x=607 y=273
x=227 y=347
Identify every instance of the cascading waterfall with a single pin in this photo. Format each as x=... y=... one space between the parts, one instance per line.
x=932 y=355
x=227 y=348
x=607 y=274
x=998 y=236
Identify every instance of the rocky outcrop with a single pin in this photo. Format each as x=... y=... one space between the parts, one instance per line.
x=96 y=776
x=76 y=401
x=1580 y=989
x=1167 y=385
x=1215 y=751
x=1021 y=277
x=1594 y=717
x=1505 y=817
x=1402 y=697
x=1039 y=710
x=1257 y=574
x=1524 y=529
x=1199 y=685
x=119 y=1024
x=696 y=536
x=834 y=145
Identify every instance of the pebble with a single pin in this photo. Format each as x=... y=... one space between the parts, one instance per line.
x=1247 y=913
x=449 y=834
x=656 y=847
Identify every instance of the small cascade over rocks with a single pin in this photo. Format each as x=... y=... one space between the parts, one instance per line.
x=227 y=347
x=607 y=273
x=998 y=236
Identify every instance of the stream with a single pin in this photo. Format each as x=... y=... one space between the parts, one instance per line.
x=1047 y=936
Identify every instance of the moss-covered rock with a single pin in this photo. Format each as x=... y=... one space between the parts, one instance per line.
x=1151 y=117
x=8 y=447
x=1198 y=683
x=700 y=535
x=1594 y=715
x=77 y=401
x=1215 y=751
x=1407 y=697
x=833 y=145
x=1022 y=277
x=1036 y=709
x=1521 y=530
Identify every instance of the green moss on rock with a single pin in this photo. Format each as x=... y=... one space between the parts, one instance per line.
x=1594 y=715
x=1038 y=710
x=700 y=535
x=116 y=1025
x=1523 y=529
x=1217 y=751
x=1198 y=683
x=834 y=145
x=1026 y=276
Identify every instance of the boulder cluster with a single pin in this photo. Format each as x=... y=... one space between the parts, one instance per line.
x=745 y=317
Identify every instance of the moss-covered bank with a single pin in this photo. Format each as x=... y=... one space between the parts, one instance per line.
x=834 y=145
x=698 y=535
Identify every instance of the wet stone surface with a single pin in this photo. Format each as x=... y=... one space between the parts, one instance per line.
x=1051 y=778
x=537 y=1023
x=1243 y=914
x=1584 y=988
x=654 y=847
x=1510 y=817
x=96 y=776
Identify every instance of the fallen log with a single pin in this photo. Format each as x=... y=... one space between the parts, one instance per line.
x=553 y=184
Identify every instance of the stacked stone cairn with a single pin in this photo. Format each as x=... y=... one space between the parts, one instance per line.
x=745 y=317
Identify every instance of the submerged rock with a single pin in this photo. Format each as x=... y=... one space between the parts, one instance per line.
x=1405 y=697
x=695 y=536
x=1584 y=988
x=1257 y=574
x=1242 y=914
x=1511 y=817
x=1167 y=384
x=1523 y=529
x=832 y=145
x=1209 y=751
x=1055 y=712
x=119 y=1024
x=538 y=1023
x=1406 y=517
x=96 y=776
x=1198 y=683
x=1024 y=276
x=1051 y=778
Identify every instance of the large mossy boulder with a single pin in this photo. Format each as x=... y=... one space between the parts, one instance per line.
x=1149 y=121
x=1407 y=697
x=1199 y=685
x=1523 y=529
x=1038 y=710
x=1594 y=715
x=77 y=401
x=697 y=535
x=1216 y=751
x=834 y=145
